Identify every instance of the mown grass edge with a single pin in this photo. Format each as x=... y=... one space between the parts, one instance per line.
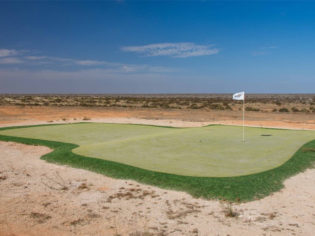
x=234 y=189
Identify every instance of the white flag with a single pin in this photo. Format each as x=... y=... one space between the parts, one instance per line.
x=239 y=96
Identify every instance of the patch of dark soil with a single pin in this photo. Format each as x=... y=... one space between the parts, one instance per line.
x=40 y=217
x=3 y=177
x=77 y=222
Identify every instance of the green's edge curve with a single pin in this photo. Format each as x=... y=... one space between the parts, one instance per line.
x=233 y=189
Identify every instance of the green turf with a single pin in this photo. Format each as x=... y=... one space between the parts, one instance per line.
x=240 y=188
x=212 y=151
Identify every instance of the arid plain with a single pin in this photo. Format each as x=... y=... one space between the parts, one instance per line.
x=39 y=198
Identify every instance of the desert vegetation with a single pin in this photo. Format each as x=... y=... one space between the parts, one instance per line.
x=292 y=103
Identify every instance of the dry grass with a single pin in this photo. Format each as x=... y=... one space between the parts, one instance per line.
x=40 y=217
x=256 y=103
x=229 y=211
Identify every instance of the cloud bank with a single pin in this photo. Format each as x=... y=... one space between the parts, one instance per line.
x=180 y=50
x=11 y=57
x=8 y=52
x=264 y=50
x=7 y=56
x=10 y=60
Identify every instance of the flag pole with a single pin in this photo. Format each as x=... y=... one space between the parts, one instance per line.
x=244 y=118
x=241 y=96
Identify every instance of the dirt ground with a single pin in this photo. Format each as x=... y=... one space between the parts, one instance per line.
x=39 y=198
x=18 y=115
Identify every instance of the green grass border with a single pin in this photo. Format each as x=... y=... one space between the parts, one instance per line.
x=234 y=189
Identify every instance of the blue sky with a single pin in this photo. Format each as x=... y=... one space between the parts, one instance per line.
x=157 y=47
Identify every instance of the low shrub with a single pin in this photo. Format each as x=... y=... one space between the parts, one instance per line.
x=283 y=109
x=294 y=109
x=252 y=109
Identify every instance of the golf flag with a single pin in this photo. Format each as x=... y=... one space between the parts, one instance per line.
x=239 y=96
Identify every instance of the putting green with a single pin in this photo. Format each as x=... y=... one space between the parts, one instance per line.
x=212 y=151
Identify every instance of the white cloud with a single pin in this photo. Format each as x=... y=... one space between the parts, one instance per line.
x=181 y=50
x=66 y=61
x=117 y=67
x=264 y=50
x=8 y=52
x=10 y=60
x=89 y=62
x=80 y=75
x=35 y=58
x=270 y=47
x=36 y=63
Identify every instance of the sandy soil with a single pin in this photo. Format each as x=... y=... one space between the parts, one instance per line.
x=39 y=198
x=15 y=115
